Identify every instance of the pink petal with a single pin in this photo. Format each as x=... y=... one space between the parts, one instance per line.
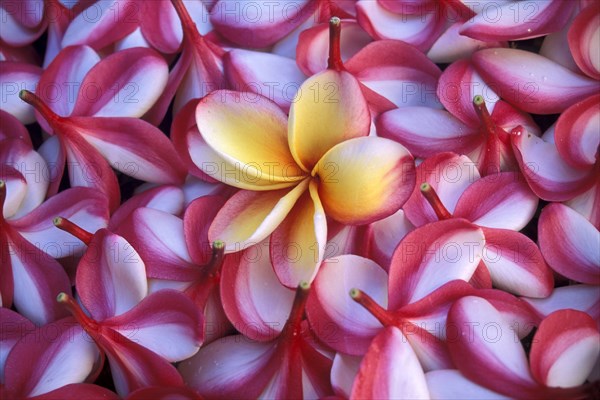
x=14 y=327
x=83 y=206
x=343 y=372
x=584 y=298
x=12 y=128
x=76 y=391
x=584 y=39
x=253 y=298
x=452 y=46
x=111 y=276
x=196 y=221
x=14 y=77
x=548 y=175
x=22 y=21
x=565 y=348
x=451 y=384
x=258 y=24
x=384 y=236
x=577 y=134
x=570 y=243
x=449 y=175
x=397 y=71
x=431 y=256
x=390 y=369
x=516 y=20
x=125 y=84
x=516 y=264
x=588 y=204
x=532 y=82
x=275 y=77
x=165 y=314
x=50 y=357
x=37 y=278
x=483 y=347
x=55 y=155
x=61 y=81
x=313 y=45
x=338 y=320
x=133 y=147
x=164 y=393
x=418 y=30
x=502 y=201
x=102 y=24
x=418 y=128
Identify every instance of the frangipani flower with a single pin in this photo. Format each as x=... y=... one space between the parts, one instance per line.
x=298 y=173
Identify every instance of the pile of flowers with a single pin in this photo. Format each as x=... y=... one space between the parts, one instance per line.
x=300 y=199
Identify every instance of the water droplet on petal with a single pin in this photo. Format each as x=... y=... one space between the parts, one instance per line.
x=528 y=30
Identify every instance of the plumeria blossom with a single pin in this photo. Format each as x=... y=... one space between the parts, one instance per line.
x=123 y=320
x=452 y=188
x=564 y=350
x=309 y=171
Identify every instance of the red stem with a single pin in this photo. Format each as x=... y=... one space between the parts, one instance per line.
x=335 y=57
x=434 y=201
x=372 y=306
x=37 y=103
x=88 y=324
x=292 y=326
x=75 y=230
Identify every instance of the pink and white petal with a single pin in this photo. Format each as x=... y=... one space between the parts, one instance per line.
x=297 y=245
x=565 y=349
x=313 y=45
x=329 y=109
x=570 y=243
x=256 y=303
x=134 y=39
x=343 y=372
x=61 y=81
x=390 y=369
x=159 y=239
x=53 y=151
x=584 y=298
x=111 y=277
x=397 y=71
x=250 y=135
x=418 y=128
x=37 y=278
x=588 y=204
x=447 y=384
x=453 y=246
x=12 y=128
x=275 y=77
x=577 y=133
x=457 y=87
x=518 y=21
x=50 y=357
x=484 y=347
x=356 y=188
x=260 y=25
x=163 y=198
x=449 y=175
x=548 y=175
x=164 y=314
x=133 y=366
x=584 y=38
x=14 y=327
x=102 y=24
x=538 y=85
x=385 y=235
x=249 y=217
x=337 y=320
x=508 y=117
x=125 y=84
x=196 y=221
x=516 y=264
x=161 y=26
x=230 y=366
x=555 y=47
x=84 y=207
x=134 y=147
x=419 y=30
x=22 y=22
x=452 y=46
x=76 y=391
x=164 y=393
x=14 y=77
x=500 y=201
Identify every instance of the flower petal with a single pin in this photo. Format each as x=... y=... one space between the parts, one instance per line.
x=337 y=320
x=451 y=384
x=390 y=370
x=453 y=246
x=584 y=298
x=532 y=82
x=569 y=243
x=584 y=39
x=503 y=200
x=297 y=246
x=249 y=133
x=329 y=109
x=384 y=236
x=356 y=188
x=111 y=276
x=14 y=327
x=196 y=221
x=565 y=348
x=249 y=217
x=14 y=77
x=452 y=46
x=343 y=373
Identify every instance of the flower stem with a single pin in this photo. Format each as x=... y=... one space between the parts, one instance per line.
x=74 y=229
x=88 y=324
x=372 y=306
x=434 y=201
x=335 y=57
x=36 y=102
